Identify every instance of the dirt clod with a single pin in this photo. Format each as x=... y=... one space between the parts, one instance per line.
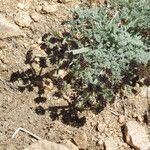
x=35 y=16
x=80 y=139
x=23 y=19
x=121 y=119
x=136 y=136
x=101 y=127
x=8 y=29
x=70 y=145
x=46 y=145
x=47 y=8
x=110 y=144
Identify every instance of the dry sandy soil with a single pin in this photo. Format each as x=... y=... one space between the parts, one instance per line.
x=56 y=123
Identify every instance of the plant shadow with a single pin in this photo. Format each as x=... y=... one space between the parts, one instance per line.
x=44 y=72
x=38 y=77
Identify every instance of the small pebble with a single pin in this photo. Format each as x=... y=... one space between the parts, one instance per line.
x=121 y=119
x=20 y=6
x=100 y=143
x=23 y=19
x=47 y=8
x=101 y=127
x=35 y=16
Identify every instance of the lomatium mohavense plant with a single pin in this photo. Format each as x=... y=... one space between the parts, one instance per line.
x=109 y=39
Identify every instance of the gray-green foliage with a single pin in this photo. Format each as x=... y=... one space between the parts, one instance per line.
x=116 y=36
x=104 y=45
x=136 y=13
x=113 y=37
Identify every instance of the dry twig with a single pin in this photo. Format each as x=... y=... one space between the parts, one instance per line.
x=114 y=113
x=24 y=130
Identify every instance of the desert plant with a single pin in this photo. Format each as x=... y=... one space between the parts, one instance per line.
x=104 y=45
x=114 y=38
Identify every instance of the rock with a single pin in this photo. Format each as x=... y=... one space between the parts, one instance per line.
x=110 y=144
x=21 y=6
x=135 y=136
x=100 y=143
x=47 y=8
x=121 y=119
x=80 y=139
x=40 y=41
x=35 y=16
x=23 y=19
x=101 y=127
x=8 y=29
x=46 y=145
x=70 y=145
x=134 y=115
